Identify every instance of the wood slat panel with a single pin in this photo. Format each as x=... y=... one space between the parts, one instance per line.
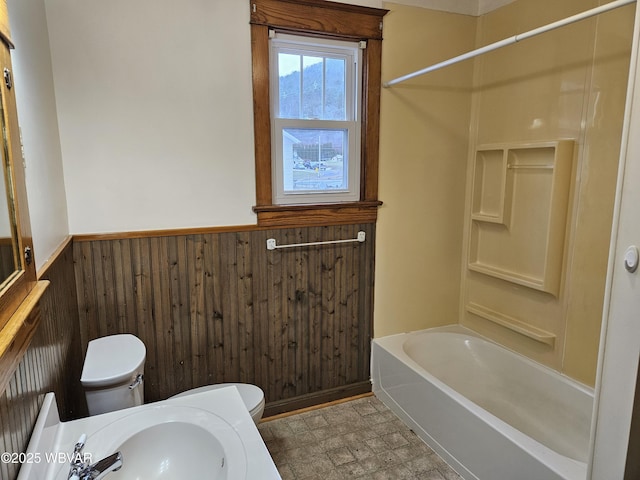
x=245 y=296
x=220 y=307
x=181 y=340
x=52 y=362
x=215 y=328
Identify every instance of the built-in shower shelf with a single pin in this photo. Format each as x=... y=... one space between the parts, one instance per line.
x=518 y=212
x=489 y=185
x=513 y=324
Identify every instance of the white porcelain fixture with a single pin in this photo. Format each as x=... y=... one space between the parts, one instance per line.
x=489 y=412
x=252 y=396
x=203 y=435
x=112 y=375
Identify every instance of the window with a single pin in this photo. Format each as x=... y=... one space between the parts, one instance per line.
x=315 y=90
x=316 y=96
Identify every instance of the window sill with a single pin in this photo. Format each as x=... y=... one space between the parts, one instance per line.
x=317 y=214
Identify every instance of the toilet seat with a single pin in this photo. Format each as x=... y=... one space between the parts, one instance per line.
x=252 y=395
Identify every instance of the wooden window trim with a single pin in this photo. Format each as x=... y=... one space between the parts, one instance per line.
x=330 y=20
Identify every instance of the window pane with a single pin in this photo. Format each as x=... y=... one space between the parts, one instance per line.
x=334 y=103
x=312 y=87
x=289 y=85
x=323 y=81
x=314 y=160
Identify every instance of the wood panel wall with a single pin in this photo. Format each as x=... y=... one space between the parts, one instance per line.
x=220 y=307
x=52 y=363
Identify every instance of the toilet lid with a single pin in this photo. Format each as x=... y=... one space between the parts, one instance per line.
x=112 y=360
x=251 y=395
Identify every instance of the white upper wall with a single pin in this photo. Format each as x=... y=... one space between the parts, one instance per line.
x=39 y=126
x=154 y=108
x=155 y=111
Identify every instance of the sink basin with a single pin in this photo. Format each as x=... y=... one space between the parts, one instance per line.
x=169 y=442
x=207 y=435
x=155 y=453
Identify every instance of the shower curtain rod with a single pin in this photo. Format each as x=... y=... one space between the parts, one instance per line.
x=511 y=40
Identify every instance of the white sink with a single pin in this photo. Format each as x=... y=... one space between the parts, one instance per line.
x=155 y=452
x=207 y=435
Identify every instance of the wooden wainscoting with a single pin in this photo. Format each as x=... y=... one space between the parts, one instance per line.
x=220 y=307
x=51 y=363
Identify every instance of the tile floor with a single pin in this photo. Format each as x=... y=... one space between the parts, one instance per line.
x=357 y=439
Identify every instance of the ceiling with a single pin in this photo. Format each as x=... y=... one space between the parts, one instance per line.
x=465 y=7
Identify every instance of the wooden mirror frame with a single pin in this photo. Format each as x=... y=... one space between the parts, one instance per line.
x=19 y=315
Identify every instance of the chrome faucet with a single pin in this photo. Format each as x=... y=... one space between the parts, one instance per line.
x=81 y=470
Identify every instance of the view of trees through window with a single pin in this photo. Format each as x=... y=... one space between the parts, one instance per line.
x=322 y=83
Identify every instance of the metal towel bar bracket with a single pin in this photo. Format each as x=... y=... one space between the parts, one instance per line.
x=271 y=242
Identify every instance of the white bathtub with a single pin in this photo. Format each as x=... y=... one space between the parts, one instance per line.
x=490 y=413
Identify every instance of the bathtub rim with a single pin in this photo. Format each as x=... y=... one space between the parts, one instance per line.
x=562 y=465
x=457 y=328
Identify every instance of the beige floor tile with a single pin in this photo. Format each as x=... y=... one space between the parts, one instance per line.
x=359 y=439
x=340 y=456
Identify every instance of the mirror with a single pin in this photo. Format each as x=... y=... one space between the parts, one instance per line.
x=10 y=258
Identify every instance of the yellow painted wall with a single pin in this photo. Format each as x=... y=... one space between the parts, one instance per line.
x=423 y=157
x=569 y=83
x=603 y=127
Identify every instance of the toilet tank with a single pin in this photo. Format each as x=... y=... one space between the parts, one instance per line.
x=113 y=373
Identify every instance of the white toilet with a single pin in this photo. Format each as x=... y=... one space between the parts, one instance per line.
x=112 y=377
